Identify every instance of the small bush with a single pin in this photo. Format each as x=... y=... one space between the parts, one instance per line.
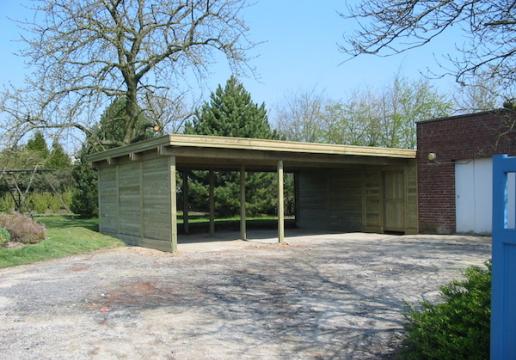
x=45 y=202
x=38 y=202
x=457 y=328
x=6 y=203
x=22 y=228
x=84 y=196
x=5 y=237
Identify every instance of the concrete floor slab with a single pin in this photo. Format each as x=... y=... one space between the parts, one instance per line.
x=325 y=296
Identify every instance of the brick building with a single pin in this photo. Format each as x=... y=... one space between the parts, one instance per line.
x=455 y=152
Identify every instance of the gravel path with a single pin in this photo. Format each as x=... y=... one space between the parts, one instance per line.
x=320 y=297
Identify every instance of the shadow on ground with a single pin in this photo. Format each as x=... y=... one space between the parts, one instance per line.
x=327 y=303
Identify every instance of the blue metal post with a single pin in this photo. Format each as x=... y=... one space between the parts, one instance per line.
x=503 y=294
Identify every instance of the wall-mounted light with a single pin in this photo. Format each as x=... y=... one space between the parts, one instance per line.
x=432 y=156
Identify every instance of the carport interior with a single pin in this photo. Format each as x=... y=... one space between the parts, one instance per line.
x=337 y=187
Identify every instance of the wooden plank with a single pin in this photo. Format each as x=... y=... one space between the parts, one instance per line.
x=172 y=200
x=99 y=198
x=199 y=141
x=212 y=202
x=162 y=245
x=281 y=204
x=186 y=225
x=372 y=201
x=243 y=234
x=411 y=207
x=394 y=200
x=129 y=214
x=233 y=158
x=142 y=204
x=287 y=146
x=296 y=196
x=134 y=156
x=117 y=187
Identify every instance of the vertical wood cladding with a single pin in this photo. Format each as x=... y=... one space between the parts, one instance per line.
x=352 y=199
x=134 y=203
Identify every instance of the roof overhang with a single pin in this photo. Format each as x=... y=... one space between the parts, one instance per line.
x=198 y=151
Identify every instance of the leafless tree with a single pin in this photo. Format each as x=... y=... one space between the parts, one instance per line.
x=300 y=116
x=383 y=117
x=169 y=112
x=86 y=52
x=481 y=95
x=388 y=27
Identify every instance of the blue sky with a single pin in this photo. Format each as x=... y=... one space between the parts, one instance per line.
x=299 y=52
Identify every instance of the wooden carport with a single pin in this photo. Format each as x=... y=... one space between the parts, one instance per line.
x=137 y=182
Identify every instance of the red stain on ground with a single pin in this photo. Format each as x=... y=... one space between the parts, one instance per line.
x=136 y=294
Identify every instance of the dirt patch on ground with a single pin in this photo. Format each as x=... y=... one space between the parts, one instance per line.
x=325 y=296
x=79 y=267
x=140 y=293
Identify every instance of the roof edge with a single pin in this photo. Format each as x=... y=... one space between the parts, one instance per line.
x=252 y=144
x=461 y=116
x=127 y=149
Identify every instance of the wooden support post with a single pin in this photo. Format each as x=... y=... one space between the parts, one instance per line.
x=99 y=198
x=142 y=206
x=212 y=202
x=186 y=225
x=296 y=197
x=173 y=207
x=281 y=206
x=117 y=179
x=243 y=234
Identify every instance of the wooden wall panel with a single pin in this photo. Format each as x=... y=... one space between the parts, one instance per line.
x=345 y=201
x=329 y=199
x=372 y=200
x=156 y=202
x=129 y=201
x=134 y=203
x=108 y=200
x=312 y=197
x=352 y=199
x=411 y=213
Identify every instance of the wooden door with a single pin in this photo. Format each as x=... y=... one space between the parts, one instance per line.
x=394 y=201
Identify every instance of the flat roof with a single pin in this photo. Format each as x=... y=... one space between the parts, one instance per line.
x=467 y=115
x=250 y=144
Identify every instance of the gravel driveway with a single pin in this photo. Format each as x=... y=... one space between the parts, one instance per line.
x=320 y=297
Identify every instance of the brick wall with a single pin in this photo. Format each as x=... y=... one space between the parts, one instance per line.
x=460 y=137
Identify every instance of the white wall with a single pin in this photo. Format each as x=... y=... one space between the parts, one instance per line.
x=511 y=204
x=474 y=198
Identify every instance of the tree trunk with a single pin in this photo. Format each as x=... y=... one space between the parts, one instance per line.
x=131 y=111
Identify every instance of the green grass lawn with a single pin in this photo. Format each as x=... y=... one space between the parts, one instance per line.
x=66 y=235
x=203 y=218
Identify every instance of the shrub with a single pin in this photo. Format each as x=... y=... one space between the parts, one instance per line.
x=84 y=197
x=22 y=228
x=457 y=328
x=54 y=203
x=38 y=202
x=5 y=237
x=46 y=202
x=6 y=203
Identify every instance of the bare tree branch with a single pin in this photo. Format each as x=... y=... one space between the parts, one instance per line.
x=85 y=53
x=390 y=27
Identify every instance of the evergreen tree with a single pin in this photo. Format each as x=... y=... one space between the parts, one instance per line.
x=231 y=112
x=58 y=158
x=84 y=197
x=111 y=127
x=38 y=145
